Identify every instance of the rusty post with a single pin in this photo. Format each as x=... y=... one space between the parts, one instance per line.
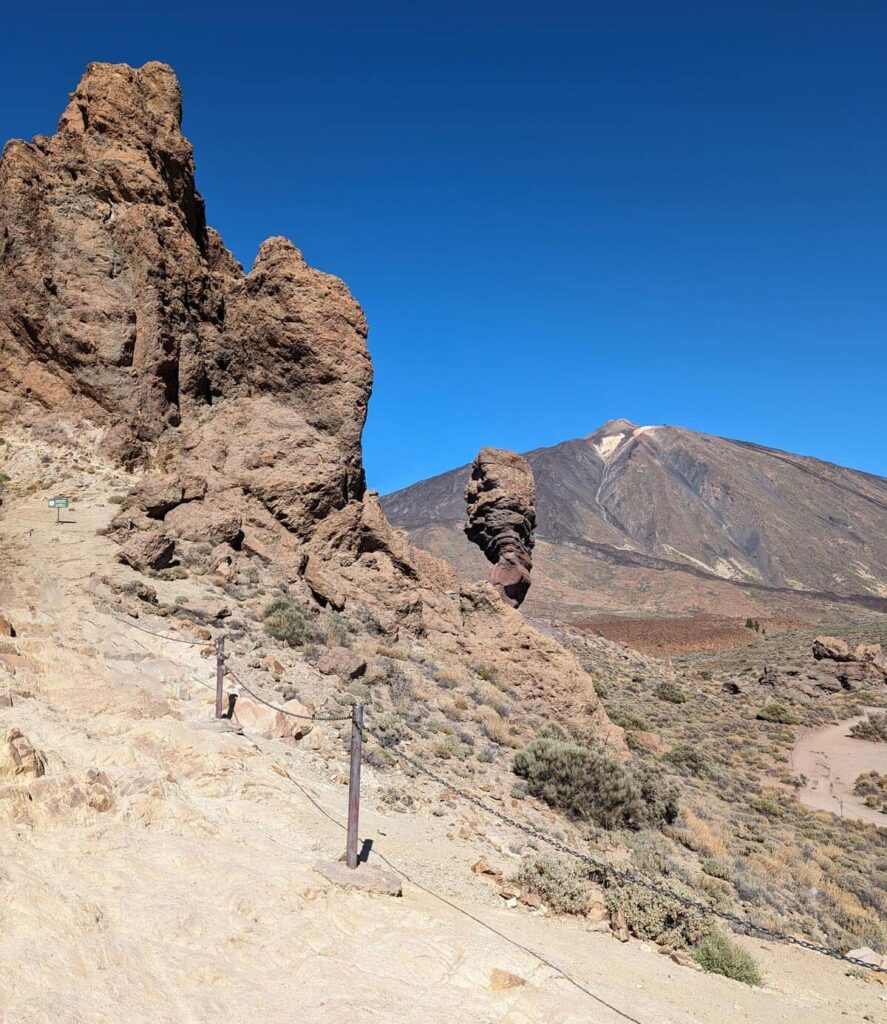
x=220 y=676
x=354 y=784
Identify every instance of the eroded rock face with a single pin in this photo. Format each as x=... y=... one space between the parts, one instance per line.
x=117 y=302
x=238 y=398
x=501 y=499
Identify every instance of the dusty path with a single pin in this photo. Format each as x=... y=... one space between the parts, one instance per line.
x=190 y=895
x=831 y=759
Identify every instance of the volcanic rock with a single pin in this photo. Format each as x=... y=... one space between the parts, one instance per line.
x=831 y=648
x=501 y=499
x=339 y=661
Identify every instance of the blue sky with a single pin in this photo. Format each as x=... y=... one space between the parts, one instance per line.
x=554 y=214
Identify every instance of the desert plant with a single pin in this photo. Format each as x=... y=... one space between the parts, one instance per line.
x=562 y=887
x=688 y=760
x=872 y=787
x=719 y=954
x=671 y=692
x=657 y=918
x=873 y=728
x=780 y=714
x=588 y=783
x=450 y=746
x=284 y=620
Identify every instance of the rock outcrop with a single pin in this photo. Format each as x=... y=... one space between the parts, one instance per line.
x=237 y=399
x=501 y=499
x=119 y=303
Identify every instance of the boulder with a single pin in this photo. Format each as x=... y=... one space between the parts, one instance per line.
x=147 y=550
x=339 y=661
x=20 y=758
x=501 y=499
x=204 y=521
x=6 y=627
x=831 y=648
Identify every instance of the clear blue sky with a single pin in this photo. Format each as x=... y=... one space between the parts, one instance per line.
x=554 y=214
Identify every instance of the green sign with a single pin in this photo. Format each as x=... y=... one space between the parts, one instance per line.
x=58 y=502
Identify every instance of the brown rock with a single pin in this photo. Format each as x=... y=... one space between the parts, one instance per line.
x=831 y=648
x=501 y=499
x=6 y=627
x=619 y=926
x=20 y=757
x=147 y=550
x=204 y=521
x=501 y=981
x=339 y=661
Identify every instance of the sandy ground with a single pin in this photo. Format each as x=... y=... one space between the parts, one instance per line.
x=831 y=759
x=192 y=897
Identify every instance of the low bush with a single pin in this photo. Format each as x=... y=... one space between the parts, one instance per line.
x=671 y=692
x=719 y=954
x=872 y=787
x=657 y=918
x=873 y=728
x=780 y=714
x=589 y=784
x=562 y=887
x=687 y=760
x=284 y=620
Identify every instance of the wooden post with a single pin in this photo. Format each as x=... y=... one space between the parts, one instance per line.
x=220 y=675
x=354 y=785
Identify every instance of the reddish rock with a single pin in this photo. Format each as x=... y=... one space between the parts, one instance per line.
x=6 y=627
x=204 y=521
x=339 y=661
x=831 y=648
x=501 y=500
x=147 y=550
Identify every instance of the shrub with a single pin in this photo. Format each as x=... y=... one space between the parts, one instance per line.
x=872 y=787
x=687 y=760
x=388 y=729
x=587 y=783
x=450 y=746
x=563 y=887
x=671 y=692
x=873 y=728
x=779 y=714
x=284 y=620
x=628 y=720
x=657 y=918
x=716 y=868
x=719 y=954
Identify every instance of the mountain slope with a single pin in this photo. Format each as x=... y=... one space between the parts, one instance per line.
x=662 y=518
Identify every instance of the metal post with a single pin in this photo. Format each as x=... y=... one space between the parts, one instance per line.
x=220 y=675
x=354 y=784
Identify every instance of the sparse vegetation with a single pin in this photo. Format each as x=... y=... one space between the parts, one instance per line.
x=872 y=728
x=284 y=620
x=779 y=714
x=872 y=787
x=657 y=918
x=589 y=784
x=562 y=887
x=671 y=692
x=719 y=954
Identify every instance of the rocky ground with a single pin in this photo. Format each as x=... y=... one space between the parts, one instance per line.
x=163 y=867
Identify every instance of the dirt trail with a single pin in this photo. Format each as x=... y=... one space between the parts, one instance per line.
x=831 y=759
x=191 y=897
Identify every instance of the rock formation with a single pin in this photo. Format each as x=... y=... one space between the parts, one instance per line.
x=501 y=501
x=238 y=400
x=119 y=303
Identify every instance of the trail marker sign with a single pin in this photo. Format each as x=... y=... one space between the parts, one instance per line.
x=58 y=503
